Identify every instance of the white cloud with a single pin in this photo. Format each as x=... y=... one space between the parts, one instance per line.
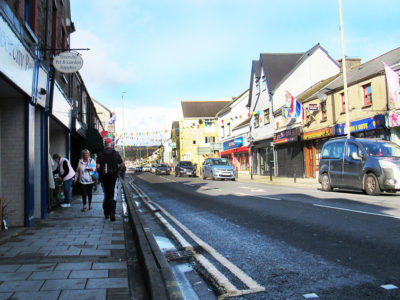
x=99 y=68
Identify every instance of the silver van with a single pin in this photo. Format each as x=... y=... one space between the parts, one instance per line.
x=370 y=165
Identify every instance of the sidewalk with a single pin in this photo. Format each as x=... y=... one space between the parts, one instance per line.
x=287 y=181
x=70 y=255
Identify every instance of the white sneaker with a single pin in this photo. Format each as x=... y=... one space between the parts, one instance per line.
x=65 y=205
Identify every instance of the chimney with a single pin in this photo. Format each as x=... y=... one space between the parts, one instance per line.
x=351 y=63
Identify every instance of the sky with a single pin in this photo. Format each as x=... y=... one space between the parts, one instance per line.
x=161 y=52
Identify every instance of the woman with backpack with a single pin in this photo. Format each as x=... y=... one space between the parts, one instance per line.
x=84 y=172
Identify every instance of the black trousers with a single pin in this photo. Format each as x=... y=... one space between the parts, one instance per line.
x=109 y=204
x=87 y=193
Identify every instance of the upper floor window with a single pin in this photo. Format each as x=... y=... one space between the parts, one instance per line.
x=222 y=131
x=323 y=111
x=257 y=120
x=54 y=28
x=264 y=80
x=266 y=116
x=367 y=92
x=258 y=86
x=342 y=102
x=229 y=129
x=27 y=11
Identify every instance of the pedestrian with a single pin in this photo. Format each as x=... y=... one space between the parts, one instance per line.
x=109 y=163
x=84 y=171
x=67 y=174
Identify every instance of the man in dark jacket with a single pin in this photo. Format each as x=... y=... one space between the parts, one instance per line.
x=109 y=163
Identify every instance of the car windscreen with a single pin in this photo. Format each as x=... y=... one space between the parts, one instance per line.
x=381 y=149
x=186 y=164
x=162 y=165
x=221 y=162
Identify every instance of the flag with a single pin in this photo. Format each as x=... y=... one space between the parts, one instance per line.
x=113 y=119
x=296 y=108
x=393 y=81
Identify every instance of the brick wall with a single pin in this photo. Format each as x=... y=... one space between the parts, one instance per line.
x=12 y=127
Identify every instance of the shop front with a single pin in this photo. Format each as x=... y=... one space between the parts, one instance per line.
x=262 y=154
x=372 y=127
x=393 y=121
x=313 y=142
x=289 y=153
x=238 y=154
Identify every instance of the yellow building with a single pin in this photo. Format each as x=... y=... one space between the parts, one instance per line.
x=324 y=105
x=198 y=130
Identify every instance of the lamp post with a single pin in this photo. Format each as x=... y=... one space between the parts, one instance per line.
x=344 y=70
x=123 y=126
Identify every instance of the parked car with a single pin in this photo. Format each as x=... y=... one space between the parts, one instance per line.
x=153 y=168
x=185 y=168
x=218 y=168
x=161 y=169
x=371 y=165
x=146 y=168
x=139 y=169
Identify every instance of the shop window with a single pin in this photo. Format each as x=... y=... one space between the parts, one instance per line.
x=258 y=86
x=342 y=102
x=257 y=120
x=194 y=142
x=266 y=116
x=367 y=92
x=323 y=111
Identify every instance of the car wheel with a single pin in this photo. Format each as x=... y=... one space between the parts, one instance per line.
x=233 y=179
x=325 y=183
x=371 y=185
x=204 y=176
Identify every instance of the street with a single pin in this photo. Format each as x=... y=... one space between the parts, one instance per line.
x=294 y=242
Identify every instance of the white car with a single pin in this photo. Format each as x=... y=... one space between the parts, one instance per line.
x=153 y=168
x=146 y=168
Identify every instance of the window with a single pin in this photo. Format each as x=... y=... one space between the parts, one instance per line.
x=353 y=149
x=367 y=94
x=323 y=111
x=342 y=102
x=257 y=120
x=222 y=131
x=210 y=139
x=54 y=28
x=258 y=86
x=333 y=150
x=229 y=129
x=264 y=80
x=266 y=116
x=27 y=11
x=194 y=142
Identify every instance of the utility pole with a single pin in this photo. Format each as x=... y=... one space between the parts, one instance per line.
x=344 y=70
x=123 y=127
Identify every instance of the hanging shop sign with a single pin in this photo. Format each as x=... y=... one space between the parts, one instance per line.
x=287 y=136
x=317 y=134
x=394 y=119
x=313 y=107
x=15 y=61
x=68 y=62
x=235 y=143
x=361 y=125
x=41 y=89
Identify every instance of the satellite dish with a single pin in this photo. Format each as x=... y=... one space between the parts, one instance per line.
x=322 y=96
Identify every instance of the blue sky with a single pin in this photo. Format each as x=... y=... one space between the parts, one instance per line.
x=163 y=51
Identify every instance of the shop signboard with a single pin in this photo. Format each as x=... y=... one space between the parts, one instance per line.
x=394 y=119
x=287 y=136
x=62 y=109
x=15 y=61
x=68 y=62
x=317 y=134
x=235 y=143
x=361 y=125
x=313 y=107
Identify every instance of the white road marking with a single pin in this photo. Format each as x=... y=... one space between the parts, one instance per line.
x=389 y=286
x=311 y=296
x=184 y=243
x=357 y=211
x=266 y=197
x=167 y=179
x=254 y=287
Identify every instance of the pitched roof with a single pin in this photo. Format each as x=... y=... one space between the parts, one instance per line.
x=228 y=107
x=311 y=92
x=102 y=105
x=255 y=69
x=202 y=109
x=367 y=69
x=245 y=122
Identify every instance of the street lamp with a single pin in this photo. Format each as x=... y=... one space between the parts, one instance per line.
x=344 y=70
x=123 y=126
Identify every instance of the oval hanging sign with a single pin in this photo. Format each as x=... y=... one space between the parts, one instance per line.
x=68 y=62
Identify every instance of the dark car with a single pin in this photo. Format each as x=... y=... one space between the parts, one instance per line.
x=185 y=168
x=161 y=169
x=139 y=169
x=370 y=165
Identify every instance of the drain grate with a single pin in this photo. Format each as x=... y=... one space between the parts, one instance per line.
x=178 y=255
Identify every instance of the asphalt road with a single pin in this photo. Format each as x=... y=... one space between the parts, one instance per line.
x=292 y=241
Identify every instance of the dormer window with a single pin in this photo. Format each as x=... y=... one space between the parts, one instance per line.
x=258 y=86
x=264 y=80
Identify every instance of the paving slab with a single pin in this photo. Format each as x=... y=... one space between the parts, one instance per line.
x=14 y=276
x=9 y=268
x=37 y=267
x=89 y=274
x=62 y=274
x=42 y=295
x=109 y=265
x=70 y=252
x=99 y=294
x=63 y=284
x=4 y=296
x=107 y=283
x=95 y=252
x=111 y=247
x=21 y=286
x=74 y=266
